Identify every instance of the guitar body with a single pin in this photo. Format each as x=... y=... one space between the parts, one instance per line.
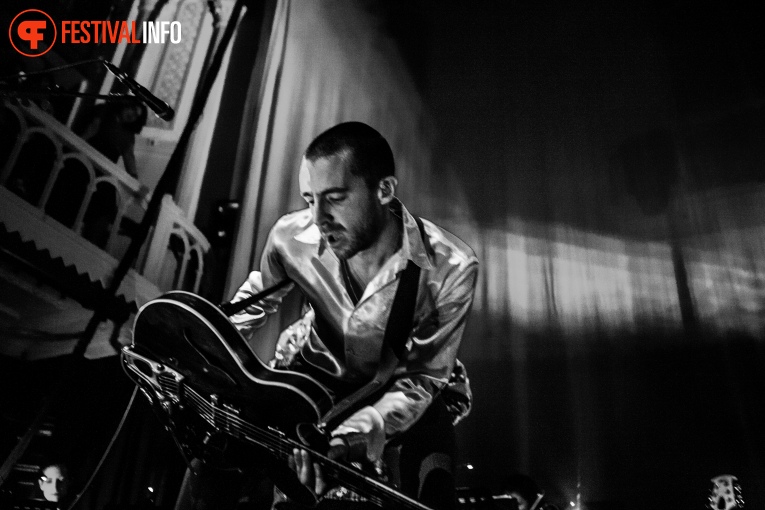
x=210 y=389
x=189 y=334
x=222 y=404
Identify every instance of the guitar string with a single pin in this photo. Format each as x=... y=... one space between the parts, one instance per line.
x=337 y=467
x=373 y=487
x=247 y=428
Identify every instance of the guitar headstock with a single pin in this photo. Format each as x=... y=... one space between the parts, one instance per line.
x=725 y=493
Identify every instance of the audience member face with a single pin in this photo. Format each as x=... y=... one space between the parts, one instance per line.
x=53 y=483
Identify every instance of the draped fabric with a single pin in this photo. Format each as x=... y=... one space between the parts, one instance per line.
x=616 y=336
x=313 y=79
x=325 y=65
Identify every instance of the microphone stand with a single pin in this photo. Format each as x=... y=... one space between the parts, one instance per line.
x=33 y=94
x=234 y=307
x=215 y=8
x=27 y=92
x=166 y=183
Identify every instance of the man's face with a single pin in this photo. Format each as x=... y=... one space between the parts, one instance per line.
x=349 y=214
x=53 y=483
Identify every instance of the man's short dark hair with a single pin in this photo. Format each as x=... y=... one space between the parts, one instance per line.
x=366 y=150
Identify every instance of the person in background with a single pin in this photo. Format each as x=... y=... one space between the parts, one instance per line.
x=54 y=483
x=113 y=129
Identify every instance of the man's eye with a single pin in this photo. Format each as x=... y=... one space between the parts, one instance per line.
x=335 y=199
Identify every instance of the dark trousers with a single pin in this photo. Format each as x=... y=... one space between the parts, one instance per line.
x=208 y=487
x=425 y=472
x=427 y=459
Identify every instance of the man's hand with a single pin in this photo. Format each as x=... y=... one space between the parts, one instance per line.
x=359 y=438
x=362 y=435
x=309 y=472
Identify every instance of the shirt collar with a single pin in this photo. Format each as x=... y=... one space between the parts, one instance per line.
x=413 y=246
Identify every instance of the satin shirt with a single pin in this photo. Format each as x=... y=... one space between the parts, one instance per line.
x=345 y=340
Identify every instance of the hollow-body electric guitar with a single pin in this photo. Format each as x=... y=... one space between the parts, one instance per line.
x=222 y=403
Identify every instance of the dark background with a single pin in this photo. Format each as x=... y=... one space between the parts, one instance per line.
x=554 y=113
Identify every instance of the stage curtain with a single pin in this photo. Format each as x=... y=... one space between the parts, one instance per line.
x=585 y=373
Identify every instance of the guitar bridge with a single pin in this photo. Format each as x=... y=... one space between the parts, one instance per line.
x=164 y=382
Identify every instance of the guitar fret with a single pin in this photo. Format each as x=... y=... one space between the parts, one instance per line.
x=221 y=417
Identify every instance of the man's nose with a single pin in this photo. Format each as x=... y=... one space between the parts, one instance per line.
x=321 y=212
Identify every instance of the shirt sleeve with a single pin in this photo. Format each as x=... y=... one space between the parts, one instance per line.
x=271 y=272
x=432 y=353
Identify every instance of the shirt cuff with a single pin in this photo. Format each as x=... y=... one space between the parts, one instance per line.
x=366 y=425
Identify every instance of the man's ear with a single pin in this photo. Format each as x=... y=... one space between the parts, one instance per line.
x=386 y=189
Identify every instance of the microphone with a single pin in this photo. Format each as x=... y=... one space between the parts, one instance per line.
x=234 y=307
x=159 y=107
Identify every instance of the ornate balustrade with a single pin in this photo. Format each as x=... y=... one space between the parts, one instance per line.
x=175 y=234
x=68 y=198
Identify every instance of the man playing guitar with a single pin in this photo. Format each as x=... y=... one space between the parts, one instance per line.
x=347 y=253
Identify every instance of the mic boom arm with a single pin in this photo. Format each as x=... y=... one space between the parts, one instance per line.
x=159 y=107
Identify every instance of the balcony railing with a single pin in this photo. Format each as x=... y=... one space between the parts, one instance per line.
x=175 y=234
x=67 y=197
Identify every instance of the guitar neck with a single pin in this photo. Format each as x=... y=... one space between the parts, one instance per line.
x=282 y=446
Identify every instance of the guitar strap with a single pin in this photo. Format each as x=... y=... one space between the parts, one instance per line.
x=397 y=332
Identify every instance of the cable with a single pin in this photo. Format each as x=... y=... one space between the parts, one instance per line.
x=36 y=334
x=41 y=72
x=106 y=452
